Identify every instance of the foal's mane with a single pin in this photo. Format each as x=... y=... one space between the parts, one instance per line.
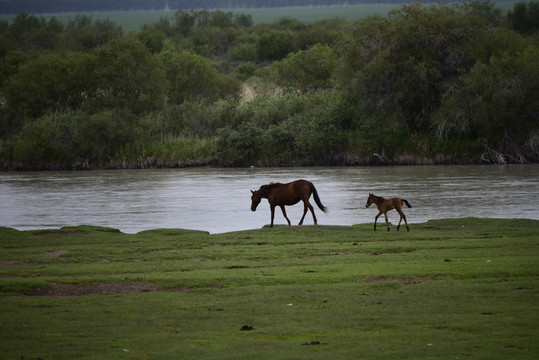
x=379 y=197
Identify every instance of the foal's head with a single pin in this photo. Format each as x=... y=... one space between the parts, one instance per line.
x=370 y=200
x=255 y=199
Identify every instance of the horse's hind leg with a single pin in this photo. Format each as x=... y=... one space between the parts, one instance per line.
x=402 y=217
x=307 y=206
x=406 y=222
x=284 y=214
x=312 y=212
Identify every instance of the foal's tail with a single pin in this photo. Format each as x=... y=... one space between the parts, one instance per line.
x=407 y=203
x=316 y=198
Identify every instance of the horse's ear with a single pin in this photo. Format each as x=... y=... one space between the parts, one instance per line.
x=252 y=192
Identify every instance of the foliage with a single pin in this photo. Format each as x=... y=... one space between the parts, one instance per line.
x=416 y=84
x=307 y=71
x=525 y=17
x=192 y=77
x=84 y=34
x=405 y=71
x=275 y=45
x=295 y=130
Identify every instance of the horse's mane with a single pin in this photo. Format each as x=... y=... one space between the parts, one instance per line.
x=265 y=189
x=379 y=197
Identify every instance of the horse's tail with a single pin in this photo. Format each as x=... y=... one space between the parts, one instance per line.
x=316 y=198
x=407 y=203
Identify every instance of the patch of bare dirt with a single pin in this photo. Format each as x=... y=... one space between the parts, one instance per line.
x=66 y=290
x=402 y=281
x=53 y=254
x=8 y=263
x=57 y=232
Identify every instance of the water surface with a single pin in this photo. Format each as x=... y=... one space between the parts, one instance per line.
x=218 y=200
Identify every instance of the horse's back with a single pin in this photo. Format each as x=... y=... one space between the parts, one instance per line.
x=290 y=193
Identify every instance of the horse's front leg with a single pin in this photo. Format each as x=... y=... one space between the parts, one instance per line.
x=272 y=207
x=284 y=214
x=387 y=222
x=376 y=219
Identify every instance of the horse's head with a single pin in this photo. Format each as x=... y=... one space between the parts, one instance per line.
x=370 y=200
x=255 y=199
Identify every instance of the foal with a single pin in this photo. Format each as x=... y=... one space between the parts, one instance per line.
x=385 y=205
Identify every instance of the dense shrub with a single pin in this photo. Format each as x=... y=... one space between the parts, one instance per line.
x=431 y=84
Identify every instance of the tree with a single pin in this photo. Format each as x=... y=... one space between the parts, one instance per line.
x=399 y=67
x=307 y=70
x=496 y=101
x=192 y=77
x=128 y=76
x=275 y=45
x=50 y=82
x=30 y=32
x=525 y=17
x=82 y=34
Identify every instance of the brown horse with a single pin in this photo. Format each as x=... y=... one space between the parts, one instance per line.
x=385 y=205
x=287 y=194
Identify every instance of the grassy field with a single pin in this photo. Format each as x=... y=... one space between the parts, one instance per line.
x=448 y=289
x=134 y=20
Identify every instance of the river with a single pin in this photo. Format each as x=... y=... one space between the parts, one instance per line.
x=218 y=200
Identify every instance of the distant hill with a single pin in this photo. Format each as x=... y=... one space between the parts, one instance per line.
x=58 y=6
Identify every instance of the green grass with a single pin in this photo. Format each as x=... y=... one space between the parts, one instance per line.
x=448 y=289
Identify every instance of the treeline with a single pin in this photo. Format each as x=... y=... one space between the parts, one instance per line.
x=57 y=6
x=424 y=85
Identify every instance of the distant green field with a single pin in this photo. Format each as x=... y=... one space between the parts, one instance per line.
x=133 y=20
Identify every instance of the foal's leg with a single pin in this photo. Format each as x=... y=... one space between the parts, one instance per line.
x=387 y=222
x=401 y=214
x=402 y=217
x=376 y=218
x=284 y=214
x=272 y=207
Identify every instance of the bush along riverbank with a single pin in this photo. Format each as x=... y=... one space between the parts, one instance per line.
x=450 y=288
x=212 y=88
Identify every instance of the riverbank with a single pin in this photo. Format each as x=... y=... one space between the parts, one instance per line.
x=215 y=159
x=446 y=289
